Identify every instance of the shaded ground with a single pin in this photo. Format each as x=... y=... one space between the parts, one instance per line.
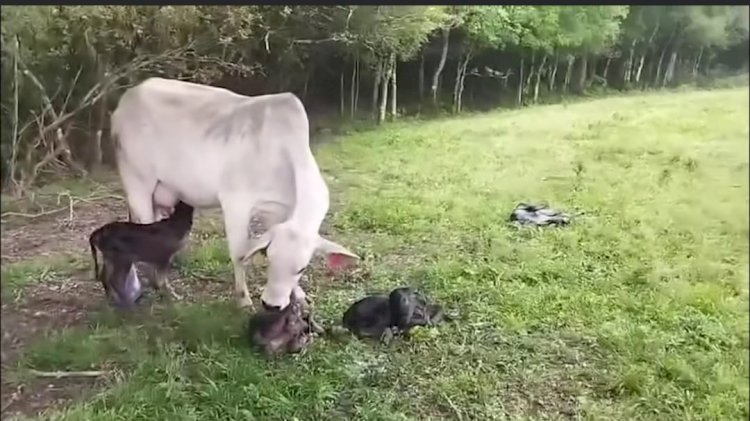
x=638 y=310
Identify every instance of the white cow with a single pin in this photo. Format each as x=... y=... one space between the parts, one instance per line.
x=211 y=147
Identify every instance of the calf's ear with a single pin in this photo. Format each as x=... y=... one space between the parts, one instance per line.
x=256 y=245
x=338 y=256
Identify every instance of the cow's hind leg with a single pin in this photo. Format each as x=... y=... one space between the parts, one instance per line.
x=237 y=212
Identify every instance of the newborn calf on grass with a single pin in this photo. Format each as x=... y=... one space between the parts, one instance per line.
x=280 y=331
x=383 y=316
x=123 y=244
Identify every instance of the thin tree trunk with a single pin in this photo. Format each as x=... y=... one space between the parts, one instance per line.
x=568 y=73
x=421 y=77
x=658 y=76
x=519 y=98
x=458 y=87
x=342 y=93
x=376 y=86
x=629 y=64
x=529 y=77
x=463 y=81
x=385 y=77
x=352 y=88
x=697 y=64
x=357 y=83
x=553 y=75
x=441 y=65
x=638 y=72
x=394 y=88
x=102 y=106
x=11 y=174
x=645 y=52
x=539 y=78
x=581 y=86
x=307 y=82
x=606 y=69
x=669 y=73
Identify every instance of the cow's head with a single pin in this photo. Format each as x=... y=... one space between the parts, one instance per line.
x=289 y=252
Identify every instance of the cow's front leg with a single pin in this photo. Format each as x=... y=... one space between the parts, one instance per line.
x=139 y=192
x=236 y=225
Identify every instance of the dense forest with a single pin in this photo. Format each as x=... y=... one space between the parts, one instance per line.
x=64 y=67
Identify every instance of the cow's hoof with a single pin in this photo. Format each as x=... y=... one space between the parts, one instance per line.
x=245 y=302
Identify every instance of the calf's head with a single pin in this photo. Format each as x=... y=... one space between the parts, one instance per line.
x=289 y=251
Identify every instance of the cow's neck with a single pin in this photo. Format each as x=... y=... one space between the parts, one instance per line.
x=311 y=195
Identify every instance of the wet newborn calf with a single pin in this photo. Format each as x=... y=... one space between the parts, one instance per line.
x=279 y=331
x=123 y=244
x=381 y=316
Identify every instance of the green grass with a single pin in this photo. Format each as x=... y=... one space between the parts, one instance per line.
x=638 y=310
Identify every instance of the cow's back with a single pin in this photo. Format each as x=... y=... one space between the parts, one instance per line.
x=198 y=139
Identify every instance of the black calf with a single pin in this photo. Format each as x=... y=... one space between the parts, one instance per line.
x=123 y=244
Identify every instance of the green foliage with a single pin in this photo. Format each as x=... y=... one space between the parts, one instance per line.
x=71 y=49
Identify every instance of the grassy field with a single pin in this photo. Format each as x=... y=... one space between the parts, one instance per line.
x=638 y=310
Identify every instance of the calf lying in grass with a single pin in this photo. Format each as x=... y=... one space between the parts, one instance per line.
x=382 y=317
x=124 y=244
x=276 y=331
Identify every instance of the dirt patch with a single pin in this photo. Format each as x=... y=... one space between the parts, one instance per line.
x=58 y=233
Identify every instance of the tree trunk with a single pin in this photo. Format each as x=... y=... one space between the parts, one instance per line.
x=102 y=106
x=606 y=69
x=519 y=98
x=581 y=85
x=697 y=63
x=539 y=78
x=385 y=76
x=529 y=77
x=421 y=77
x=342 y=93
x=629 y=64
x=638 y=72
x=658 y=76
x=553 y=75
x=458 y=88
x=441 y=65
x=645 y=52
x=307 y=83
x=376 y=86
x=394 y=88
x=568 y=73
x=357 y=83
x=669 y=73
x=463 y=82
x=352 y=88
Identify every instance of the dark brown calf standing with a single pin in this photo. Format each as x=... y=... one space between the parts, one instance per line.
x=123 y=244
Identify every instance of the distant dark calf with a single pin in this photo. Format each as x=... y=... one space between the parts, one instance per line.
x=123 y=244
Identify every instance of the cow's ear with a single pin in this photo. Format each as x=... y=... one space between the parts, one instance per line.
x=256 y=245
x=338 y=255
